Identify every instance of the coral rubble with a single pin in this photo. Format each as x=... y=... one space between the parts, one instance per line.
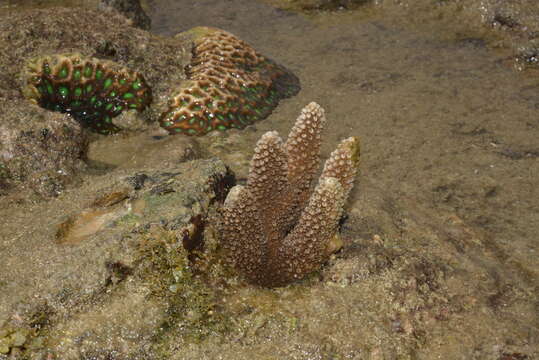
x=274 y=228
x=93 y=91
x=229 y=85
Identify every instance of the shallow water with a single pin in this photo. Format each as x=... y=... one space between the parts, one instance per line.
x=448 y=127
x=432 y=113
x=448 y=185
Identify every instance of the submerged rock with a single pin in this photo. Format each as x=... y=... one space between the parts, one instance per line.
x=40 y=152
x=110 y=263
x=131 y=9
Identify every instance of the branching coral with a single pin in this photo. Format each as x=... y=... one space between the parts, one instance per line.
x=229 y=85
x=92 y=91
x=274 y=228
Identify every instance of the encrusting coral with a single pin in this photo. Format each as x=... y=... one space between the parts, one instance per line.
x=275 y=229
x=93 y=91
x=229 y=85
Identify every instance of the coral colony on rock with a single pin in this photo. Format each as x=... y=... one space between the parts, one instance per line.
x=229 y=85
x=275 y=229
x=93 y=91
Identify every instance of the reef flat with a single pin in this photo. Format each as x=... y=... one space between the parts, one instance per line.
x=438 y=256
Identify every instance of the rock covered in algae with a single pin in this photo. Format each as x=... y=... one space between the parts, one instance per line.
x=229 y=85
x=122 y=257
x=131 y=9
x=93 y=91
x=39 y=153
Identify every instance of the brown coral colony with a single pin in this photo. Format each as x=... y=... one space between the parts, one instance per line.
x=276 y=229
x=229 y=85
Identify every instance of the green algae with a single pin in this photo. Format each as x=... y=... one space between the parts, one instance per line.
x=12 y=338
x=22 y=342
x=128 y=220
x=193 y=311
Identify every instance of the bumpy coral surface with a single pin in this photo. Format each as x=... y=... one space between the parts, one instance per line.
x=275 y=230
x=93 y=91
x=229 y=85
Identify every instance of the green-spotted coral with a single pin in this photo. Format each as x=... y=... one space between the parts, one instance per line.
x=229 y=85
x=91 y=90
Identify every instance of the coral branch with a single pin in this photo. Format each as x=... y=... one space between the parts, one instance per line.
x=342 y=163
x=304 y=249
x=274 y=229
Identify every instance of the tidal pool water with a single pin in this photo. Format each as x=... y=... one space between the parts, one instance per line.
x=440 y=255
x=449 y=133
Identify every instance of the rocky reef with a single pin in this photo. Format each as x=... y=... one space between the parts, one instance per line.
x=437 y=252
x=111 y=261
x=275 y=230
x=42 y=151
x=97 y=68
x=229 y=85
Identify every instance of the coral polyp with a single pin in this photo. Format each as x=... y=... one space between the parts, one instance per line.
x=229 y=85
x=91 y=90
